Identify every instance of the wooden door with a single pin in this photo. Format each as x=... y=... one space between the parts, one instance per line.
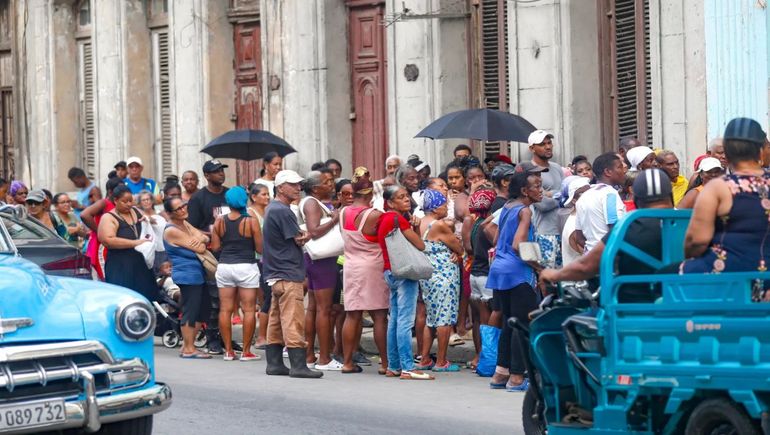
x=248 y=91
x=368 y=78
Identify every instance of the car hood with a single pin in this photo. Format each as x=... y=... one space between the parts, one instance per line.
x=27 y=293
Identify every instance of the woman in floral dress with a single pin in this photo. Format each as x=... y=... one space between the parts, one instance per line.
x=441 y=292
x=729 y=230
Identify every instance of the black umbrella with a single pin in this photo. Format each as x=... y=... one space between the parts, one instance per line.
x=479 y=124
x=247 y=145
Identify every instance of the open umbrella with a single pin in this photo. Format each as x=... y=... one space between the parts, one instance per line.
x=479 y=124
x=247 y=145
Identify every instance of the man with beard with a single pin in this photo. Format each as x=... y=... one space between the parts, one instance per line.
x=545 y=215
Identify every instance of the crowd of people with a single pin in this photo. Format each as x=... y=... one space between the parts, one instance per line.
x=302 y=260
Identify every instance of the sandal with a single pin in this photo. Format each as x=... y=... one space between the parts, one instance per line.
x=448 y=367
x=416 y=375
x=455 y=340
x=523 y=386
x=428 y=366
x=392 y=373
x=195 y=355
x=356 y=369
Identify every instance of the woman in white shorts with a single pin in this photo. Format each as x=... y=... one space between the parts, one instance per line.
x=238 y=237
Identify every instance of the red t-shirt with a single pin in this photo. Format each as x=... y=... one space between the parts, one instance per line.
x=384 y=227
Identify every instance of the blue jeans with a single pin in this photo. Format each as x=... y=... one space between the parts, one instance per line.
x=403 y=307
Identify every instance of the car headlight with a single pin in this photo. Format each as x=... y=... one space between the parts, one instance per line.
x=135 y=321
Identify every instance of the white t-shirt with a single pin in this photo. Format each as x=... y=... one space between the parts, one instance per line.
x=597 y=209
x=568 y=255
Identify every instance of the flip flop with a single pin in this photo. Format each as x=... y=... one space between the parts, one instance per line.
x=416 y=376
x=195 y=355
x=448 y=367
x=428 y=366
x=524 y=386
x=495 y=386
x=357 y=369
x=455 y=340
x=392 y=373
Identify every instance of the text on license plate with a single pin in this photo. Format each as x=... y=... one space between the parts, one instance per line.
x=31 y=414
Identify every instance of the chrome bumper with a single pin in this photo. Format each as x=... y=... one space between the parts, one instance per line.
x=94 y=411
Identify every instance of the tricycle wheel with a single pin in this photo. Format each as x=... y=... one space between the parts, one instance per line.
x=135 y=426
x=170 y=339
x=531 y=416
x=719 y=416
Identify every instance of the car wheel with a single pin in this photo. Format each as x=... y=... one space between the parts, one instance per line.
x=719 y=417
x=136 y=426
x=532 y=422
x=170 y=339
x=201 y=340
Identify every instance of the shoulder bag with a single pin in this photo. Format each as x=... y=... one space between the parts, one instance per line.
x=406 y=261
x=328 y=245
x=207 y=259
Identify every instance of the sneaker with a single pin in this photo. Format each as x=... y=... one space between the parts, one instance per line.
x=215 y=348
x=248 y=356
x=237 y=347
x=360 y=359
x=229 y=356
x=332 y=366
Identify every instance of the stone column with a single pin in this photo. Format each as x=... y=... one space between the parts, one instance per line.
x=110 y=107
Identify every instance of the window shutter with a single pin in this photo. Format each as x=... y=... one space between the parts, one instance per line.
x=494 y=60
x=87 y=122
x=632 y=70
x=163 y=138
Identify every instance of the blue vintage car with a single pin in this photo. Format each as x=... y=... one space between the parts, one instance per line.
x=74 y=354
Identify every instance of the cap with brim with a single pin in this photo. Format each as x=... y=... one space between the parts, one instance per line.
x=530 y=167
x=287 y=176
x=36 y=196
x=213 y=166
x=501 y=171
x=538 y=136
x=708 y=164
x=652 y=184
x=120 y=164
x=745 y=129
x=134 y=159
x=574 y=186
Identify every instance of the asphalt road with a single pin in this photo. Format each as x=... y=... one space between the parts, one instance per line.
x=218 y=397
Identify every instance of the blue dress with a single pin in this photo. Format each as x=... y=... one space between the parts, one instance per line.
x=740 y=242
x=441 y=293
x=508 y=270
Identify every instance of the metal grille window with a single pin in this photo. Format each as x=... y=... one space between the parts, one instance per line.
x=494 y=60
x=626 y=71
x=162 y=94
x=87 y=116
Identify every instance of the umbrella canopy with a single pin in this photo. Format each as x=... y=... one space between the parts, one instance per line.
x=247 y=145
x=479 y=124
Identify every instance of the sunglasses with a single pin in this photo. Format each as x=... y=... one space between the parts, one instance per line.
x=32 y=203
x=179 y=208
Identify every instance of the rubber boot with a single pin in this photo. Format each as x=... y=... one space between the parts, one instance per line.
x=297 y=358
x=274 y=357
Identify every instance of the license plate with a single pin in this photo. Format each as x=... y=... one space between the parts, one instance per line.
x=31 y=414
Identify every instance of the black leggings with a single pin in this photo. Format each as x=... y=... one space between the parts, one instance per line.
x=517 y=302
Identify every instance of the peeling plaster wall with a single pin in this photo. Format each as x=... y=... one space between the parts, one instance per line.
x=138 y=109
x=437 y=46
x=65 y=96
x=305 y=49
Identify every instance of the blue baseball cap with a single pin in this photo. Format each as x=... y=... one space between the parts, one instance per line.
x=745 y=129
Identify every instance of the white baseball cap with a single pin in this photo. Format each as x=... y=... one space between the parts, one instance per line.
x=287 y=176
x=708 y=164
x=134 y=159
x=538 y=136
x=574 y=186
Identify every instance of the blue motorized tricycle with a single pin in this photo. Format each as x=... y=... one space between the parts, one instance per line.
x=694 y=360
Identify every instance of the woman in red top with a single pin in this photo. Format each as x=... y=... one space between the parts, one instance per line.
x=403 y=292
x=91 y=217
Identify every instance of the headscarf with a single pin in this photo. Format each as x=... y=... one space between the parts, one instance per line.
x=16 y=185
x=481 y=201
x=432 y=199
x=237 y=199
x=359 y=172
x=637 y=155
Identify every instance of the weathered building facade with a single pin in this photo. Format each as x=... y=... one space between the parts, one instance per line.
x=90 y=82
